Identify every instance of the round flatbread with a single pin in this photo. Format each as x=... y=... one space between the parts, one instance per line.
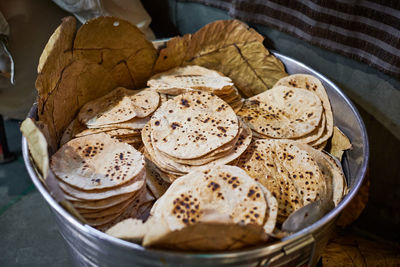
x=73 y=128
x=223 y=195
x=316 y=134
x=103 y=194
x=91 y=213
x=312 y=84
x=289 y=172
x=332 y=171
x=119 y=105
x=183 y=79
x=150 y=153
x=133 y=124
x=237 y=149
x=192 y=125
x=85 y=131
x=102 y=203
x=283 y=112
x=96 y=162
x=112 y=108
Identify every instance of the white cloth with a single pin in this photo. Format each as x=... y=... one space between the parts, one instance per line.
x=130 y=10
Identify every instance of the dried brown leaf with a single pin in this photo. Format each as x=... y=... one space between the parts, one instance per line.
x=37 y=145
x=339 y=143
x=356 y=206
x=352 y=250
x=229 y=47
x=118 y=46
x=56 y=55
x=173 y=55
x=250 y=66
x=220 y=34
x=80 y=82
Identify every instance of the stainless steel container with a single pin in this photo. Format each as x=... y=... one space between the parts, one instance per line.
x=90 y=247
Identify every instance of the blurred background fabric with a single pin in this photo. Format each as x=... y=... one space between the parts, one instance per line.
x=368 y=31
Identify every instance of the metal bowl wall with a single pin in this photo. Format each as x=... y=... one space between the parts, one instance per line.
x=90 y=247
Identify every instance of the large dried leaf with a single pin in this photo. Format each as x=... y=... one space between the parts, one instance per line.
x=352 y=250
x=120 y=47
x=339 y=143
x=220 y=34
x=173 y=55
x=229 y=47
x=250 y=66
x=80 y=82
x=56 y=55
x=354 y=209
x=38 y=150
x=37 y=145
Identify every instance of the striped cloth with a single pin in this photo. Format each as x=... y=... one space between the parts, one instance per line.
x=368 y=31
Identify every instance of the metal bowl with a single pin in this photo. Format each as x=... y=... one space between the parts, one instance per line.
x=90 y=247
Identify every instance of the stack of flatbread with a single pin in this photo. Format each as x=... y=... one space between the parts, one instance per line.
x=219 y=208
x=103 y=178
x=296 y=108
x=121 y=114
x=192 y=78
x=187 y=139
x=191 y=131
x=295 y=173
